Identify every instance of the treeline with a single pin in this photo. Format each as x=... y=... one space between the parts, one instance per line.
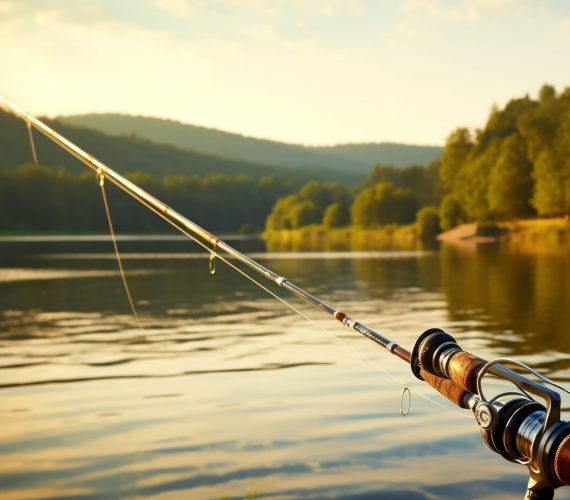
x=39 y=197
x=389 y=195
x=517 y=166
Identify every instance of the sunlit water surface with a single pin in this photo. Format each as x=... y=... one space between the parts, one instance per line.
x=227 y=392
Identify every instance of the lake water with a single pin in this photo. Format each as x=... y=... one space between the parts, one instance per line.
x=226 y=392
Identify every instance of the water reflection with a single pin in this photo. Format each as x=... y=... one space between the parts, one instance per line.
x=519 y=300
x=226 y=391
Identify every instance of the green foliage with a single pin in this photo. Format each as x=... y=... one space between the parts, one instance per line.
x=517 y=164
x=383 y=204
x=363 y=212
x=473 y=180
x=323 y=195
x=510 y=181
x=279 y=217
x=307 y=206
x=547 y=92
x=455 y=154
x=303 y=213
x=42 y=198
x=388 y=196
x=421 y=182
x=427 y=220
x=450 y=213
x=503 y=123
x=549 y=193
x=336 y=215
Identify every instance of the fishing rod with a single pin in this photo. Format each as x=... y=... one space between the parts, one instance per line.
x=513 y=424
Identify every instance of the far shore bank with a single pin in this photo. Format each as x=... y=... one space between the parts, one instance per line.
x=523 y=231
x=527 y=232
x=318 y=237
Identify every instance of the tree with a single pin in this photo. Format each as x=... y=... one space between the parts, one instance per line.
x=538 y=126
x=363 y=212
x=336 y=215
x=308 y=206
x=457 y=148
x=383 y=204
x=473 y=181
x=450 y=213
x=547 y=92
x=427 y=220
x=381 y=173
x=552 y=171
x=510 y=181
x=549 y=193
x=504 y=122
x=421 y=181
x=279 y=218
x=303 y=213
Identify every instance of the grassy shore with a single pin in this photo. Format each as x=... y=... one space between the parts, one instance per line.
x=553 y=230
x=318 y=237
x=539 y=233
x=537 y=236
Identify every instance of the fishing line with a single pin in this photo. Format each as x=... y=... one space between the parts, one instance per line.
x=32 y=143
x=359 y=355
x=101 y=182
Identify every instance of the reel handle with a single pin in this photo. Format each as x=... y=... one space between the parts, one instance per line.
x=438 y=353
x=448 y=389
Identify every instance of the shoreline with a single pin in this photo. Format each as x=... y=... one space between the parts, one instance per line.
x=317 y=237
x=523 y=232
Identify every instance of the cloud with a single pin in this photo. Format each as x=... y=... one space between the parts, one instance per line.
x=267 y=8
x=317 y=71
x=263 y=32
x=7 y=8
x=85 y=10
x=474 y=10
x=333 y=7
x=274 y=7
x=175 y=7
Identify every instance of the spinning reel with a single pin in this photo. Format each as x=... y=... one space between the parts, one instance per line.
x=513 y=424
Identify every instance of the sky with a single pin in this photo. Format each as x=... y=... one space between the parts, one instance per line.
x=304 y=71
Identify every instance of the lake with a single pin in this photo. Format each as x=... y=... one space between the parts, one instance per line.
x=225 y=392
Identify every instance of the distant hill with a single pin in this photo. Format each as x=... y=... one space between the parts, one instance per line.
x=134 y=153
x=354 y=158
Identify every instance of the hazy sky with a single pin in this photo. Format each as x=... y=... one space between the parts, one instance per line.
x=309 y=71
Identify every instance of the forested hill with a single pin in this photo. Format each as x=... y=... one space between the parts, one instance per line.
x=127 y=154
x=355 y=158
